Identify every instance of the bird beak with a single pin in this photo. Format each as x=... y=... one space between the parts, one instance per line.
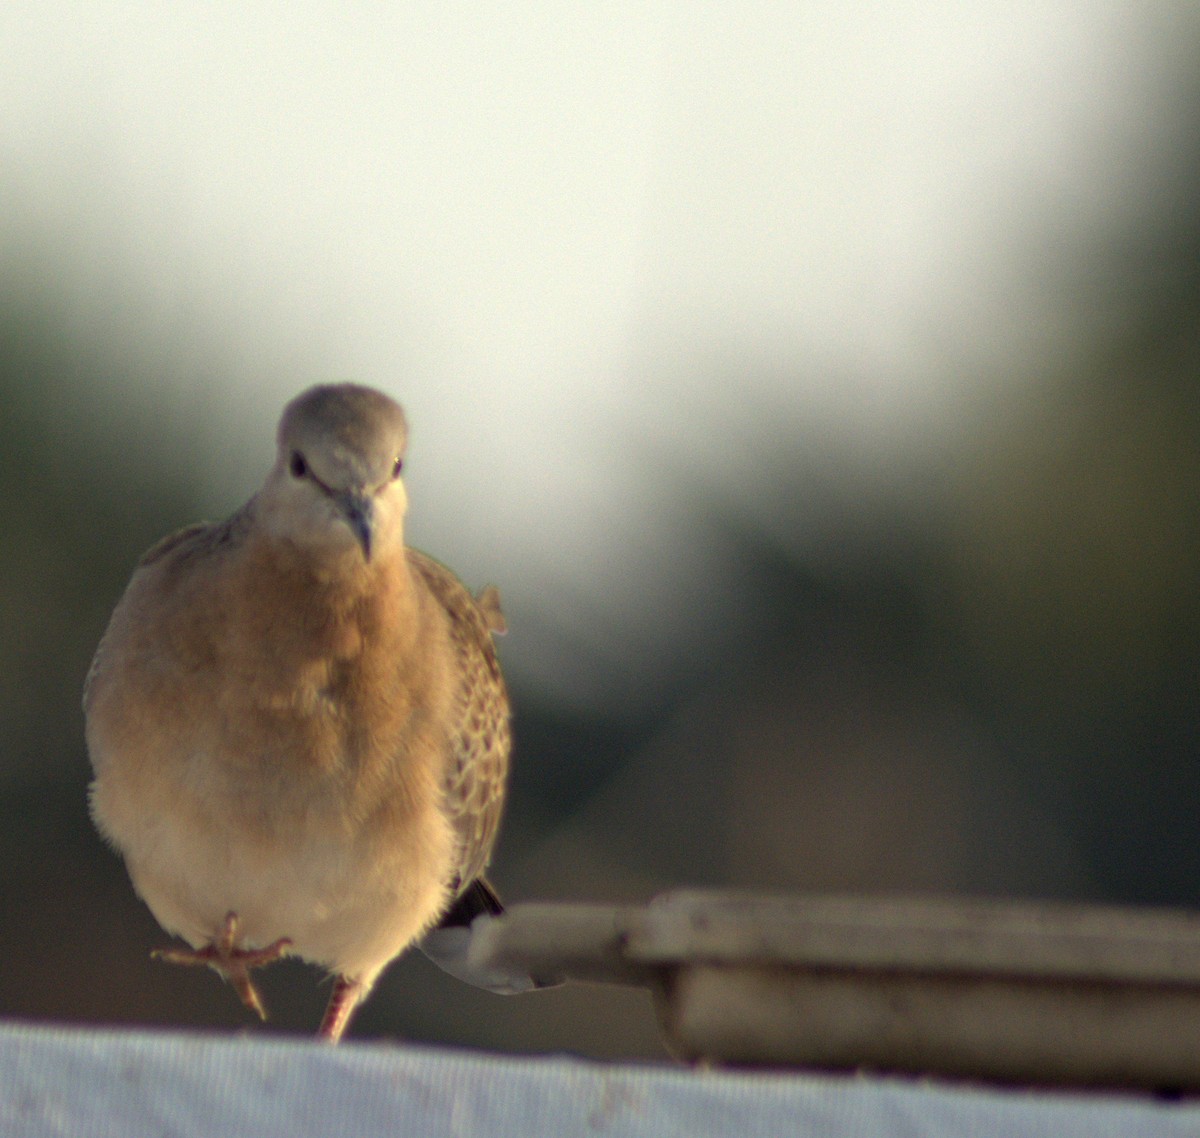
x=359 y=512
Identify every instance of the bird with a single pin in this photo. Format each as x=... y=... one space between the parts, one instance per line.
x=297 y=724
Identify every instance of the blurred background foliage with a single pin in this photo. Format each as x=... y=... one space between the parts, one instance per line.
x=965 y=661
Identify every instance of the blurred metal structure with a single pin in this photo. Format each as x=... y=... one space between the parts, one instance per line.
x=1012 y=992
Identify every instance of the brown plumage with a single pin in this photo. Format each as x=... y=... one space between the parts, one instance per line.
x=298 y=725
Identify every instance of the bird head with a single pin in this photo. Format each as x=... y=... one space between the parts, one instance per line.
x=335 y=487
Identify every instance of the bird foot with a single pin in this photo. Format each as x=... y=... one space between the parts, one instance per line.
x=233 y=963
x=346 y=996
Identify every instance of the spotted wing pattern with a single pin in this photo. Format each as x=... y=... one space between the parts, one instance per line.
x=478 y=770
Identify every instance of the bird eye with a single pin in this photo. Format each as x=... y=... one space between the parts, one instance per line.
x=397 y=466
x=298 y=466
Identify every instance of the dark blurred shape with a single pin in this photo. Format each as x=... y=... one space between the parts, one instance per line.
x=1075 y=557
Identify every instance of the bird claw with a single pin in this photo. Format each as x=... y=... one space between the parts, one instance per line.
x=233 y=963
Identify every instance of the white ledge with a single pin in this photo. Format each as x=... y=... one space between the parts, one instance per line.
x=85 y=1083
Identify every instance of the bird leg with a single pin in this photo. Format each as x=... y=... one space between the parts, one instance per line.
x=345 y=997
x=233 y=963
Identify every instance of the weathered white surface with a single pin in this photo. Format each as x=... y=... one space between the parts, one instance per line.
x=58 y=1081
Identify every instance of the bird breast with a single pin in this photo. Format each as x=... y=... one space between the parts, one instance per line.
x=286 y=760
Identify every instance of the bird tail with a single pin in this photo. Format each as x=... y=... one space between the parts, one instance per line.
x=448 y=943
x=478 y=897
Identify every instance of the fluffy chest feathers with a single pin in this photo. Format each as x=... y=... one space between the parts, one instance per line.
x=288 y=692
x=332 y=668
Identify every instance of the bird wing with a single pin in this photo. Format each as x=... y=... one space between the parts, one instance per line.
x=197 y=539
x=478 y=770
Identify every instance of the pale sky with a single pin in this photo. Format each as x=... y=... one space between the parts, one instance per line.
x=583 y=244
